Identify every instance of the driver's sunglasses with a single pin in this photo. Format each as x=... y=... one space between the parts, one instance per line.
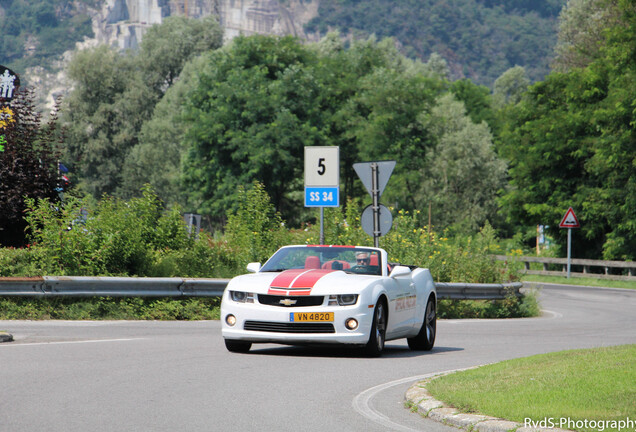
x=363 y=260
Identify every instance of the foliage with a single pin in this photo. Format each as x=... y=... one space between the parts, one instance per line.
x=28 y=164
x=510 y=87
x=459 y=259
x=116 y=237
x=51 y=26
x=251 y=116
x=260 y=100
x=461 y=176
x=115 y=93
x=255 y=230
x=570 y=142
x=156 y=159
x=581 y=35
x=479 y=39
x=18 y=262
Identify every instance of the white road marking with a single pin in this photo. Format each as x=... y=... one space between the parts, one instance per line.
x=67 y=342
x=362 y=402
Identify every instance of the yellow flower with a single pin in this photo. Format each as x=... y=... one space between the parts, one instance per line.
x=6 y=117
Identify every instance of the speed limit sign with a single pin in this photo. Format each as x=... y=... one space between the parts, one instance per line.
x=322 y=176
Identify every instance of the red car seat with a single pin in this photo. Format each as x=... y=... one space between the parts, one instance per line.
x=312 y=262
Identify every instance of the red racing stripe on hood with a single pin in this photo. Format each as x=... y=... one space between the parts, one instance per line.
x=297 y=281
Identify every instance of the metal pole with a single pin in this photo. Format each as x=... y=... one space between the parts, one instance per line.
x=569 y=249
x=375 y=193
x=322 y=225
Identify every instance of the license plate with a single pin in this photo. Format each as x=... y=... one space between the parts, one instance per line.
x=311 y=316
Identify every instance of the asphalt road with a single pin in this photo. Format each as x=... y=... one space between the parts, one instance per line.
x=177 y=376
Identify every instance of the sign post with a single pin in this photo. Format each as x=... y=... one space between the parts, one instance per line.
x=569 y=221
x=322 y=180
x=375 y=176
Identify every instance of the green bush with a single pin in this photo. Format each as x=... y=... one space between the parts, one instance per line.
x=17 y=262
x=113 y=238
x=255 y=231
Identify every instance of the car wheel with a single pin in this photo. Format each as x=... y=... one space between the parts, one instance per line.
x=425 y=339
x=375 y=346
x=237 y=346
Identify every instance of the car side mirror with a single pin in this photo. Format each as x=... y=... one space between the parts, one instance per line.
x=400 y=271
x=254 y=267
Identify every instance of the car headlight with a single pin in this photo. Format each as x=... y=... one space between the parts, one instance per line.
x=242 y=297
x=343 y=300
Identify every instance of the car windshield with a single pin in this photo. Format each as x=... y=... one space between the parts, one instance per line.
x=345 y=258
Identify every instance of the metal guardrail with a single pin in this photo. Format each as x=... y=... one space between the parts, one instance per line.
x=584 y=264
x=473 y=291
x=84 y=286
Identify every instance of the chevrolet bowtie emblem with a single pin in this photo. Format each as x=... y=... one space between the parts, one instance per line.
x=287 y=302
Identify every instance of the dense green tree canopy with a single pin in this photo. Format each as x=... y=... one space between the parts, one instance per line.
x=571 y=142
x=115 y=93
x=479 y=38
x=581 y=35
x=262 y=99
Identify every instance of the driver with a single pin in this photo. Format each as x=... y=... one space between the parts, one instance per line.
x=363 y=258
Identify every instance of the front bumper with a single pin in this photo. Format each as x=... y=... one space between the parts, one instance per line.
x=260 y=323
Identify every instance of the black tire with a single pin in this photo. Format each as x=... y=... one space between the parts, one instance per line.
x=425 y=339
x=375 y=346
x=237 y=346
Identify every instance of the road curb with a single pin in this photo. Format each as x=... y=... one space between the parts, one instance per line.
x=421 y=401
x=5 y=337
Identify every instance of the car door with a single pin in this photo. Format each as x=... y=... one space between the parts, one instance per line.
x=402 y=309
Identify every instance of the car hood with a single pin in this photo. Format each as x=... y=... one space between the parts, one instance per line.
x=302 y=282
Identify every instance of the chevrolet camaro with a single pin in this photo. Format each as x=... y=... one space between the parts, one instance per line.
x=330 y=295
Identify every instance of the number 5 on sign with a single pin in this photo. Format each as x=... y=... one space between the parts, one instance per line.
x=322 y=166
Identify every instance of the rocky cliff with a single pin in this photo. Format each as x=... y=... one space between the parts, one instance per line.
x=122 y=23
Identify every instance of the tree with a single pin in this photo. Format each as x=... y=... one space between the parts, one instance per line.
x=115 y=94
x=510 y=86
x=156 y=159
x=462 y=174
x=388 y=121
x=252 y=114
x=582 y=24
x=28 y=164
x=571 y=142
x=166 y=48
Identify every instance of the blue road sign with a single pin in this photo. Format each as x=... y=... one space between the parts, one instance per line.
x=322 y=196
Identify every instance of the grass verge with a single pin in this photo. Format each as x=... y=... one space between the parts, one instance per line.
x=607 y=283
x=594 y=385
x=104 y=308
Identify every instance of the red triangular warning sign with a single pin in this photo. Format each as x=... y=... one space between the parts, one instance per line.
x=569 y=220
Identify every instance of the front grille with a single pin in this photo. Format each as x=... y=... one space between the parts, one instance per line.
x=301 y=301
x=284 y=327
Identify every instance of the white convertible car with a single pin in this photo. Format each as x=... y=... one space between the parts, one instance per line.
x=330 y=294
